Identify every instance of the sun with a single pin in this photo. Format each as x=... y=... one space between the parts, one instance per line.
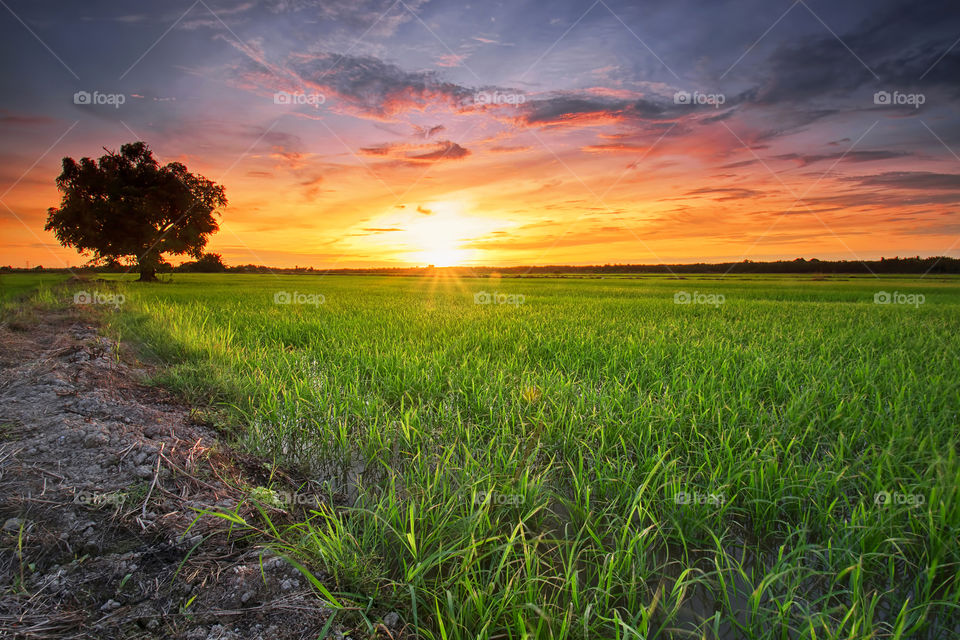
x=439 y=235
x=442 y=256
x=442 y=233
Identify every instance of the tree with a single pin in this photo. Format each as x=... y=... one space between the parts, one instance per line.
x=127 y=205
x=208 y=263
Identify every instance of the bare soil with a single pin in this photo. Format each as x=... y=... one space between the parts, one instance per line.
x=102 y=479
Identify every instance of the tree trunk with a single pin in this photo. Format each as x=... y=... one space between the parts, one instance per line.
x=148 y=268
x=147 y=274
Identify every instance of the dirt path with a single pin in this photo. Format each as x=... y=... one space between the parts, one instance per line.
x=100 y=480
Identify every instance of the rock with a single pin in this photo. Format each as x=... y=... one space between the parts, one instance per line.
x=391 y=620
x=12 y=525
x=110 y=605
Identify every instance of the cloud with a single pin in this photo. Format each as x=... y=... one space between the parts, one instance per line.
x=881 y=200
x=919 y=180
x=726 y=193
x=428 y=152
x=427 y=132
x=586 y=235
x=852 y=156
x=447 y=151
x=382 y=150
x=370 y=87
x=616 y=147
x=375 y=17
x=599 y=106
x=289 y=159
x=312 y=184
x=508 y=149
x=24 y=120
x=739 y=164
x=214 y=17
x=802 y=70
x=363 y=86
x=451 y=60
x=580 y=109
x=893 y=190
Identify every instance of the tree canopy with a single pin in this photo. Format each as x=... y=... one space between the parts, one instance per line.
x=128 y=205
x=208 y=263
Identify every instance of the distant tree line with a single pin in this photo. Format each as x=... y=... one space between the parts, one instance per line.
x=213 y=263
x=914 y=265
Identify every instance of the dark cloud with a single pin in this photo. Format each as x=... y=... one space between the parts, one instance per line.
x=726 y=193
x=429 y=152
x=852 y=156
x=24 y=120
x=579 y=109
x=447 y=151
x=365 y=86
x=381 y=150
x=898 y=48
x=740 y=164
x=371 y=87
x=921 y=180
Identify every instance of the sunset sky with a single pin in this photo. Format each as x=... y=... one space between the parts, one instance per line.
x=503 y=133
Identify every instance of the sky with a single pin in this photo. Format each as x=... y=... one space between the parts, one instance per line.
x=410 y=132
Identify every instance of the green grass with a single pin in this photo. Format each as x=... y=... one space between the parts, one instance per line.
x=513 y=471
x=17 y=285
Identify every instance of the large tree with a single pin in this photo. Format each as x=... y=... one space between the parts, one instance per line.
x=126 y=205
